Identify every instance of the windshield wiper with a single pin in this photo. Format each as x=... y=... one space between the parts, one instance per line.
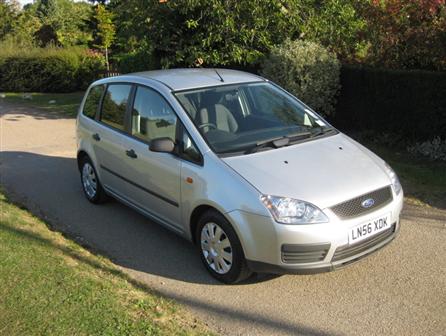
x=321 y=131
x=273 y=142
x=279 y=141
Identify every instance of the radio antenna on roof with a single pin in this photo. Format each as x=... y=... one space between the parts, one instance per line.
x=221 y=78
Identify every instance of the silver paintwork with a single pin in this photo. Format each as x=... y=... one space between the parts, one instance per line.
x=183 y=79
x=324 y=172
x=216 y=248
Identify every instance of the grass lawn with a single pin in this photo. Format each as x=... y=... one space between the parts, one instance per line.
x=52 y=286
x=64 y=103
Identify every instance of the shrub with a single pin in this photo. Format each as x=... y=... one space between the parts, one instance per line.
x=48 y=69
x=91 y=67
x=408 y=104
x=307 y=70
x=434 y=149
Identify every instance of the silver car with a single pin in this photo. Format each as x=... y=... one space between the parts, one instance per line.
x=240 y=167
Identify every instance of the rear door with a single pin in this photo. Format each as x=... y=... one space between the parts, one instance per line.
x=153 y=179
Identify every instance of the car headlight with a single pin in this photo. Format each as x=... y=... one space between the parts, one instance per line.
x=394 y=178
x=287 y=210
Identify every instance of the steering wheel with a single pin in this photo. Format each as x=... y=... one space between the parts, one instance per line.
x=210 y=125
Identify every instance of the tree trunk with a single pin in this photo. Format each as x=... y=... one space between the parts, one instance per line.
x=106 y=59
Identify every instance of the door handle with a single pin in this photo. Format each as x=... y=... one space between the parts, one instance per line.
x=96 y=137
x=131 y=153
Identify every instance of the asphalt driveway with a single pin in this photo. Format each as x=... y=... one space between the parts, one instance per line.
x=400 y=290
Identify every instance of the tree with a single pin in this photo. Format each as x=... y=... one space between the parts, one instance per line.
x=218 y=32
x=105 y=30
x=336 y=24
x=67 y=19
x=46 y=11
x=26 y=25
x=406 y=34
x=8 y=15
x=233 y=32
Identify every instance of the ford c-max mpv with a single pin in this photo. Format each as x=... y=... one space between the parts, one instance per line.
x=246 y=171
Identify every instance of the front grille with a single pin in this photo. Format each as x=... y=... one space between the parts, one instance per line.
x=346 y=251
x=300 y=254
x=353 y=208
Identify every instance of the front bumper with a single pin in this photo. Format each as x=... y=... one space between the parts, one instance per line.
x=266 y=242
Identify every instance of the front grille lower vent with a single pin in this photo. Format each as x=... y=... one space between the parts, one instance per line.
x=301 y=254
x=354 y=208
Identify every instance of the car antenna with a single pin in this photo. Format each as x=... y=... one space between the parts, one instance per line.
x=221 y=78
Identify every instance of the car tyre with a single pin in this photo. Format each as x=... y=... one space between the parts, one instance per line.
x=91 y=185
x=220 y=249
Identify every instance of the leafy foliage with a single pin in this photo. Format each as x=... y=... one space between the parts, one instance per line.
x=215 y=32
x=336 y=24
x=383 y=33
x=58 y=22
x=141 y=59
x=8 y=13
x=406 y=34
x=49 y=69
x=23 y=29
x=307 y=70
x=105 y=29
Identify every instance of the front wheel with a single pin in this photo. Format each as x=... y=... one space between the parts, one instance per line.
x=220 y=249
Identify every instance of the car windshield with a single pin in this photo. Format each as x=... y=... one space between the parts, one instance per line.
x=248 y=117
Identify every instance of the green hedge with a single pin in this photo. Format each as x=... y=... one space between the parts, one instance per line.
x=410 y=104
x=49 y=70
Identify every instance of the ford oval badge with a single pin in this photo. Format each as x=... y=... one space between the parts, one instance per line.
x=368 y=203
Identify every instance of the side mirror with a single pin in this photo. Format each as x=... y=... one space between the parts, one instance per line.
x=162 y=145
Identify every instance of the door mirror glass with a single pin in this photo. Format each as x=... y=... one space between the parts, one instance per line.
x=162 y=145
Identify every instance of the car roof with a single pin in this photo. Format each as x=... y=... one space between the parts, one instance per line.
x=184 y=79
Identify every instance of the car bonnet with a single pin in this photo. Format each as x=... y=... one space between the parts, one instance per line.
x=324 y=171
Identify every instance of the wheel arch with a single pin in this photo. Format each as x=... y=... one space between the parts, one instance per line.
x=80 y=156
x=195 y=216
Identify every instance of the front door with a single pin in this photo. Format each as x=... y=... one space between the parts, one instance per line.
x=153 y=178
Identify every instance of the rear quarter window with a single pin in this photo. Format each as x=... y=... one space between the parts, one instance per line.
x=93 y=100
x=115 y=104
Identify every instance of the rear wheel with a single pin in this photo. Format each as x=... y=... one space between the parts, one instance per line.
x=220 y=249
x=90 y=182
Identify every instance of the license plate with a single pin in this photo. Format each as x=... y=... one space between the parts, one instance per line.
x=368 y=229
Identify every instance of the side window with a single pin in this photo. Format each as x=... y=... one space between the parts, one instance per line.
x=152 y=116
x=188 y=149
x=115 y=105
x=92 y=102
